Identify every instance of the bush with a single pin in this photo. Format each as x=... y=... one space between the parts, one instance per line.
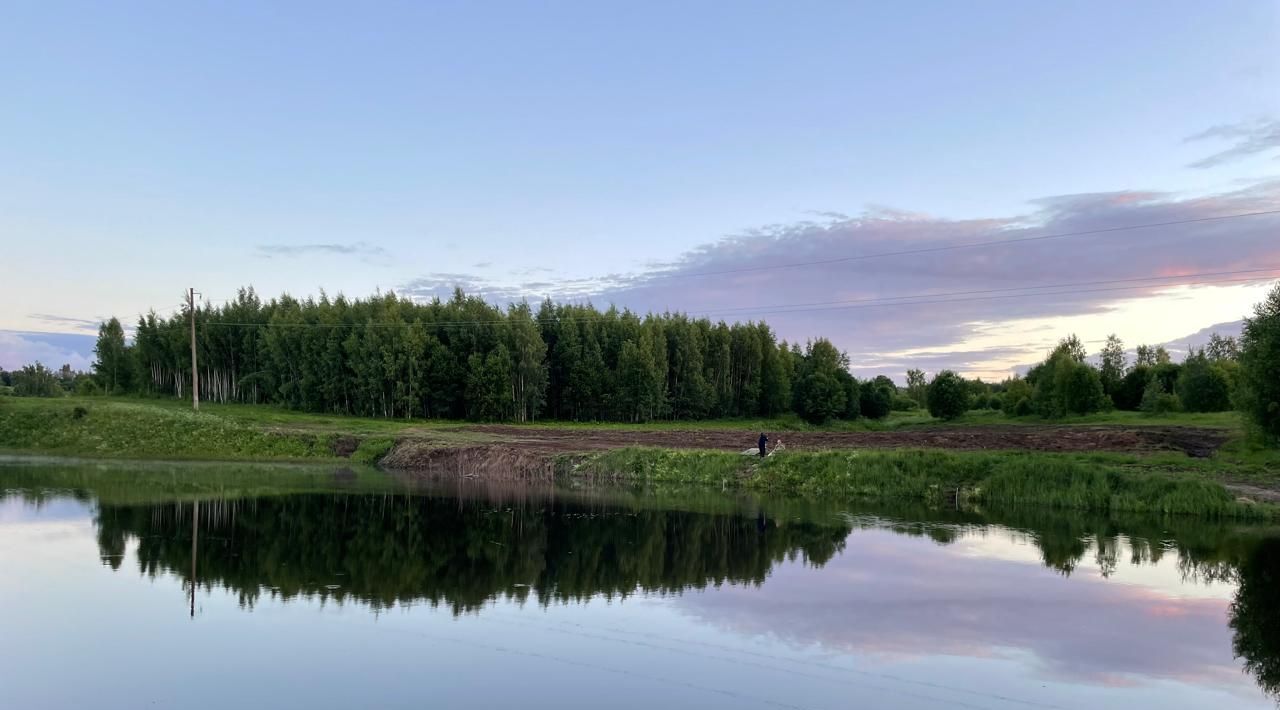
x=1016 y=391
x=948 y=396
x=995 y=402
x=875 y=400
x=1259 y=392
x=903 y=403
x=86 y=386
x=1202 y=386
x=1128 y=396
x=1064 y=385
x=1023 y=408
x=1157 y=401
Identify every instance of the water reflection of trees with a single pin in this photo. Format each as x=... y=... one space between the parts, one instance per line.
x=396 y=549
x=1255 y=615
x=462 y=551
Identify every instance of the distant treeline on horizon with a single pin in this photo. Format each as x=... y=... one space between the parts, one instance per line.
x=388 y=356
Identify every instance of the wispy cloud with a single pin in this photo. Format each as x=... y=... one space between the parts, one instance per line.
x=1247 y=138
x=934 y=330
x=83 y=324
x=362 y=250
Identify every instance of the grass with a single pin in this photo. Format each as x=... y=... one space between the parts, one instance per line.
x=139 y=429
x=1091 y=482
x=133 y=482
x=1163 y=483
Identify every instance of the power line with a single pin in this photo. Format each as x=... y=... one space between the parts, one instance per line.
x=968 y=245
x=945 y=297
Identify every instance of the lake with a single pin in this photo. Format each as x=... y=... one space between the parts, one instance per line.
x=217 y=586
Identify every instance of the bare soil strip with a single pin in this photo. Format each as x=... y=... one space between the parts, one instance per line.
x=1193 y=441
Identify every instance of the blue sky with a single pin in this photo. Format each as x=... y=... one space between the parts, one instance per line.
x=525 y=149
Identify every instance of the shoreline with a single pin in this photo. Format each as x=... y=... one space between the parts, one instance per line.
x=1162 y=468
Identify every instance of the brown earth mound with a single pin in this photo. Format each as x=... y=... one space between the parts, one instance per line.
x=491 y=462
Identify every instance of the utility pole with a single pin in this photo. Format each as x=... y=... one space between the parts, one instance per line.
x=195 y=370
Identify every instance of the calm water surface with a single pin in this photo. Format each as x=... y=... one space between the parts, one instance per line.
x=202 y=586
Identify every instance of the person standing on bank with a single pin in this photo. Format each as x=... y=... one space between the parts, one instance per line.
x=762 y=443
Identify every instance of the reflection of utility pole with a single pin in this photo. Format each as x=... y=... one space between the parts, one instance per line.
x=195 y=536
x=195 y=371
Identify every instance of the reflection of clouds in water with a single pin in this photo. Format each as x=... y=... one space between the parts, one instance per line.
x=898 y=597
x=1165 y=577
x=15 y=510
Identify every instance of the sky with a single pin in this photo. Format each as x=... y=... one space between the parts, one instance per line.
x=621 y=154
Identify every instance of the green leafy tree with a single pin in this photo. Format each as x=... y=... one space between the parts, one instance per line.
x=112 y=367
x=1072 y=347
x=1017 y=392
x=1259 y=388
x=489 y=391
x=640 y=380
x=875 y=398
x=36 y=381
x=1064 y=384
x=917 y=386
x=1202 y=385
x=948 y=395
x=1128 y=396
x=529 y=373
x=1111 y=366
x=820 y=392
x=1219 y=348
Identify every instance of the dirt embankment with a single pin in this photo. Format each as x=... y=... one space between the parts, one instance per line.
x=490 y=462
x=1193 y=441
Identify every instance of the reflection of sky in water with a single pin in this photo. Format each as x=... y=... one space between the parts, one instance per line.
x=894 y=621
x=1014 y=546
x=989 y=600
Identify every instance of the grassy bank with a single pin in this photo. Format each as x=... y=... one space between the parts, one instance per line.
x=1160 y=483
x=121 y=429
x=1095 y=482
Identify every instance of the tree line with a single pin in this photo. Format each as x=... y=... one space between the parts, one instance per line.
x=1225 y=373
x=464 y=358
x=388 y=356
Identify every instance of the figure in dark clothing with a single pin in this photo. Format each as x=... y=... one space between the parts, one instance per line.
x=764 y=441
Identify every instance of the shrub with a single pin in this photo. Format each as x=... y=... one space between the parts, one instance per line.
x=1202 y=386
x=1128 y=396
x=1016 y=391
x=948 y=396
x=903 y=403
x=1259 y=389
x=875 y=400
x=1155 y=400
x=86 y=386
x=1023 y=408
